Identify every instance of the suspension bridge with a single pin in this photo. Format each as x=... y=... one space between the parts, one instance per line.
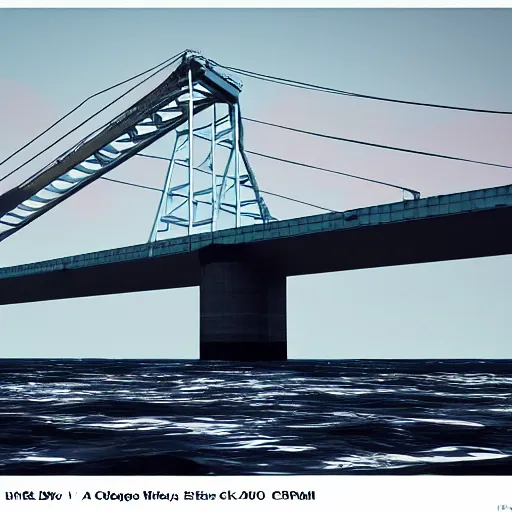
x=213 y=229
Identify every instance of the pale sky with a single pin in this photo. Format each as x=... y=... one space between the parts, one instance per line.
x=52 y=59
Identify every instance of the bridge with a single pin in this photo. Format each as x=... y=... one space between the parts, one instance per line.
x=213 y=229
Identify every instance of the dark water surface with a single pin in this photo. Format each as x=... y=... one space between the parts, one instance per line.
x=299 y=417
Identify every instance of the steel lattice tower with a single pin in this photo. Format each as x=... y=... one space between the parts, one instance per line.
x=210 y=186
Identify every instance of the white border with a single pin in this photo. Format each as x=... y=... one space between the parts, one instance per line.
x=332 y=493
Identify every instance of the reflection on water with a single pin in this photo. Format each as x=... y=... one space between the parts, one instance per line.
x=192 y=417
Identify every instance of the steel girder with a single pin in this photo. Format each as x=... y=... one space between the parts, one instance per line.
x=192 y=88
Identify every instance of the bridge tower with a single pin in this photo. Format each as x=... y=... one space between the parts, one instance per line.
x=209 y=186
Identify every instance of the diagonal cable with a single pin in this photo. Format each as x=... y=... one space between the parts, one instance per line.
x=381 y=146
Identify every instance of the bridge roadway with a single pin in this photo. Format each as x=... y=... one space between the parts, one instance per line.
x=242 y=272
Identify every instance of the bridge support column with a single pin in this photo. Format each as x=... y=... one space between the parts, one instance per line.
x=242 y=312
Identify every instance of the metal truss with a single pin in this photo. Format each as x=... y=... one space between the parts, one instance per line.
x=193 y=88
x=209 y=184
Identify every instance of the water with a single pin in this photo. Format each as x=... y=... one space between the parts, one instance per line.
x=299 y=417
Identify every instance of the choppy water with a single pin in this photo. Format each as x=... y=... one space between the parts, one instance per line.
x=298 y=417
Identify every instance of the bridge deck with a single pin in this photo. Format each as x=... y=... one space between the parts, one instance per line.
x=454 y=226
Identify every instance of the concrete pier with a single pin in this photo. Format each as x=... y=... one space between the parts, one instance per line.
x=242 y=310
